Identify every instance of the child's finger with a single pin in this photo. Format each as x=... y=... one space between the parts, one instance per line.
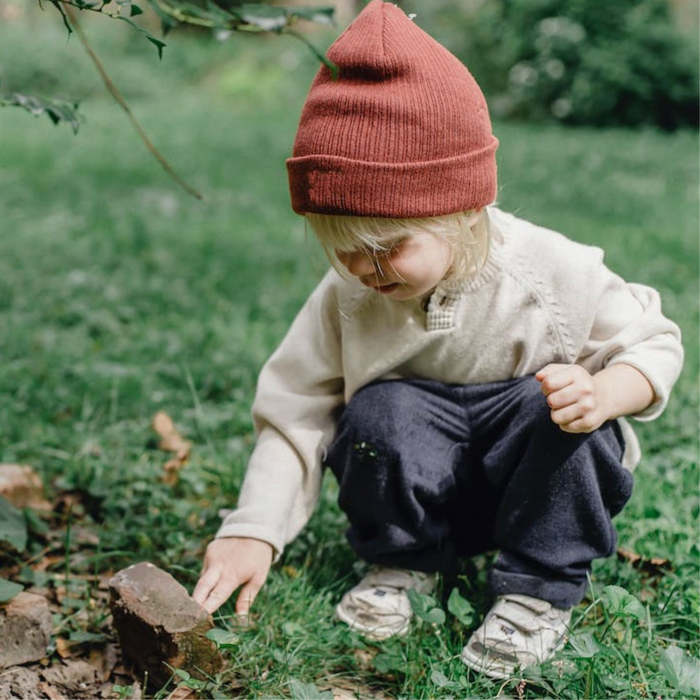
x=205 y=584
x=564 y=416
x=563 y=397
x=558 y=379
x=549 y=369
x=218 y=597
x=246 y=596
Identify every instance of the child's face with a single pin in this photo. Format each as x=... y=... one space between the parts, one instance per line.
x=410 y=268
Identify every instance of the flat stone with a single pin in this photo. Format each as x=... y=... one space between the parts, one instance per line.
x=74 y=676
x=158 y=623
x=20 y=682
x=22 y=487
x=25 y=629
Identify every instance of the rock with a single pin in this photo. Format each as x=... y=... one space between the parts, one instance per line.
x=158 y=623
x=25 y=629
x=22 y=487
x=74 y=676
x=20 y=682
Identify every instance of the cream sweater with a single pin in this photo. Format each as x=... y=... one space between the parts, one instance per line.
x=539 y=298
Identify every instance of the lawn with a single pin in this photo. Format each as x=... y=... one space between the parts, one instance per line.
x=120 y=296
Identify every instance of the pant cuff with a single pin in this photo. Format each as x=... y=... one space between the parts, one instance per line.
x=561 y=594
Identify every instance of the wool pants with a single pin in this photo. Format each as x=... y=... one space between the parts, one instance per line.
x=430 y=472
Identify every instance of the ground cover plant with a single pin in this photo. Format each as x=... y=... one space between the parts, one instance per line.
x=121 y=297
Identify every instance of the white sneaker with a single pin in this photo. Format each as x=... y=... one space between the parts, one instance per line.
x=378 y=606
x=518 y=631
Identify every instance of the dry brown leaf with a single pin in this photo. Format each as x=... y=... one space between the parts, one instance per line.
x=348 y=689
x=63 y=647
x=654 y=566
x=364 y=658
x=182 y=692
x=171 y=441
x=23 y=487
x=51 y=692
x=48 y=561
x=73 y=676
x=291 y=571
x=104 y=659
x=171 y=471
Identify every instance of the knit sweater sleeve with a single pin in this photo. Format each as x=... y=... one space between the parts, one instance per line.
x=628 y=327
x=299 y=390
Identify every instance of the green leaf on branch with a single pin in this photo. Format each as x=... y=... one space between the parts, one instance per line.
x=8 y=590
x=680 y=670
x=56 y=110
x=135 y=10
x=320 y=15
x=158 y=44
x=273 y=18
x=13 y=527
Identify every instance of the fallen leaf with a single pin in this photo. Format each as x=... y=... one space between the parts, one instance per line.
x=291 y=571
x=171 y=471
x=63 y=647
x=48 y=561
x=104 y=659
x=51 y=692
x=74 y=675
x=171 y=441
x=22 y=487
x=654 y=566
x=349 y=689
x=364 y=658
x=182 y=692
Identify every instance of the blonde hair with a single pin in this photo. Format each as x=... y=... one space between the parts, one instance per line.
x=467 y=233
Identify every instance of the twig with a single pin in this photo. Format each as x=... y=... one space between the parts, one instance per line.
x=122 y=102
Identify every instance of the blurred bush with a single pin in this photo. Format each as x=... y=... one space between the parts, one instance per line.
x=575 y=61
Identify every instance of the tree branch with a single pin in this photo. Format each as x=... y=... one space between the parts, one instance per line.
x=70 y=12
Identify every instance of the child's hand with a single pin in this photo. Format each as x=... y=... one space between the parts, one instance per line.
x=231 y=562
x=574 y=397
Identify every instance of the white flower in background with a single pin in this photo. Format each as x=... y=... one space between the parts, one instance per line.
x=554 y=68
x=562 y=28
x=522 y=74
x=561 y=107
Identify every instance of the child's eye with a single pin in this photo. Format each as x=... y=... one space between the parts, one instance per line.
x=392 y=249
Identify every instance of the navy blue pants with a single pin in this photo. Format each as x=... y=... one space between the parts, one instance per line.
x=429 y=472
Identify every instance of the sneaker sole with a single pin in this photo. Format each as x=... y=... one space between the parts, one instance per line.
x=498 y=669
x=377 y=633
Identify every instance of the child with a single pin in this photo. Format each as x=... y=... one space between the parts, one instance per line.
x=461 y=371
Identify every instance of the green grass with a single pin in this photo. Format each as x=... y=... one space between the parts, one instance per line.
x=120 y=296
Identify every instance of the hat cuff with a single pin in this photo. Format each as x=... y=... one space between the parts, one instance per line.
x=325 y=184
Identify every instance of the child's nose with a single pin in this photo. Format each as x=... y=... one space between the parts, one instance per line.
x=357 y=263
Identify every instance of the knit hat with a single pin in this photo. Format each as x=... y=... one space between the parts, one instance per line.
x=403 y=132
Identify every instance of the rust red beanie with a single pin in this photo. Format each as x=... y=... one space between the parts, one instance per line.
x=403 y=132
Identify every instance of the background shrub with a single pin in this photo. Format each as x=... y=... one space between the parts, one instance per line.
x=575 y=61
